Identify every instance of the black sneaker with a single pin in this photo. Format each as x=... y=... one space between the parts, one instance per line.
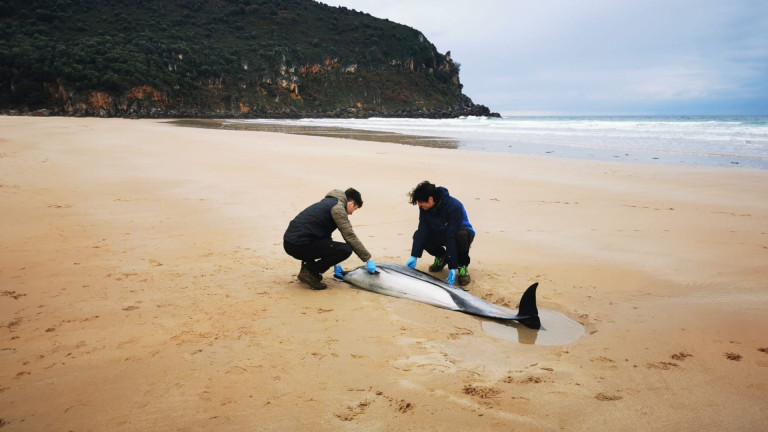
x=438 y=265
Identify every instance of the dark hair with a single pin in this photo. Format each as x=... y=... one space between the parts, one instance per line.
x=423 y=191
x=353 y=195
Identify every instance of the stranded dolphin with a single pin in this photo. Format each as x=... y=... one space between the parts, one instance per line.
x=400 y=281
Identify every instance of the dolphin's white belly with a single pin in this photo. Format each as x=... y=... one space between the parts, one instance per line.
x=397 y=285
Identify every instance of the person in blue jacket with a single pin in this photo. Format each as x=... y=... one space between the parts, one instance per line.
x=444 y=232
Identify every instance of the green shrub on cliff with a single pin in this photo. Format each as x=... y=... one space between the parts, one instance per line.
x=231 y=57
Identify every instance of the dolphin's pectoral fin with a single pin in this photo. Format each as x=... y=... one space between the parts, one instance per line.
x=344 y=273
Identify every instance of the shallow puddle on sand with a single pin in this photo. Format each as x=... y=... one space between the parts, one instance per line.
x=556 y=329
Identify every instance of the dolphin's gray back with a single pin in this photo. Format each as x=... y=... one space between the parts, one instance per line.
x=401 y=281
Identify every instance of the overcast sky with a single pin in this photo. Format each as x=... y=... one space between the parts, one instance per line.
x=611 y=57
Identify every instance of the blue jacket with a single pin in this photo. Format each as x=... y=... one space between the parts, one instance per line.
x=443 y=220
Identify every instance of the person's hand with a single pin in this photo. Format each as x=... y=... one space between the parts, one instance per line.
x=411 y=262
x=338 y=271
x=451 y=276
x=371 y=266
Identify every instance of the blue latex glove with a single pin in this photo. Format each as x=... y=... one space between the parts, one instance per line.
x=338 y=271
x=371 y=266
x=411 y=262
x=451 y=276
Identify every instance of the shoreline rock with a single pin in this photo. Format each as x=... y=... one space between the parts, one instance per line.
x=157 y=113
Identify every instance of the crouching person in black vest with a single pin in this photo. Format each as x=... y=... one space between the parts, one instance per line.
x=308 y=237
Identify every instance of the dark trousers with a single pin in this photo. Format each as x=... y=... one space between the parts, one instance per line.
x=435 y=245
x=320 y=255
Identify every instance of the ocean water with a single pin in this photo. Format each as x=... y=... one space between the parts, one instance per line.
x=719 y=141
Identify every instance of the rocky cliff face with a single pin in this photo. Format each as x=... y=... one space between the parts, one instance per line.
x=328 y=90
x=219 y=58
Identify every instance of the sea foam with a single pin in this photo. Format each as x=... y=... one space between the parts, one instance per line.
x=735 y=141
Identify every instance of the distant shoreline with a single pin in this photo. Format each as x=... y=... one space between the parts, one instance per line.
x=720 y=141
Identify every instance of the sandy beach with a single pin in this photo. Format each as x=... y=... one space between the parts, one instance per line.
x=144 y=287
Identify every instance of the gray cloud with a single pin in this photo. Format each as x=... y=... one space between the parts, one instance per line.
x=598 y=56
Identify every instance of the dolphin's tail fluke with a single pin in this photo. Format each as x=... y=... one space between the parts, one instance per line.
x=528 y=308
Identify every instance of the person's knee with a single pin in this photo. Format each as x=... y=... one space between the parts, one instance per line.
x=464 y=239
x=343 y=251
x=292 y=250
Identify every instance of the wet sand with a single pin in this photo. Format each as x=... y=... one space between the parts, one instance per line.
x=143 y=286
x=331 y=132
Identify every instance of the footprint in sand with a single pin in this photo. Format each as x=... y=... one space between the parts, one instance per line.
x=485 y=394
x=434 y=362
x=531 y=379
x=662 y=365
x=12 y=294
x=352 y=411
x=762 y=363
x=682 y=355
x=606 y=397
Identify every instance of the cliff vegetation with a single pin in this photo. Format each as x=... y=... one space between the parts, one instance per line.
x=219 y=58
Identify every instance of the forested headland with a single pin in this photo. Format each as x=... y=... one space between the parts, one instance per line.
x=219 y=58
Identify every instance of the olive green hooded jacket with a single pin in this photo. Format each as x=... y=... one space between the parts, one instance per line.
x=321 y=219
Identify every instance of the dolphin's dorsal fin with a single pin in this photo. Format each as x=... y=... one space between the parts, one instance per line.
x=528 y=302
